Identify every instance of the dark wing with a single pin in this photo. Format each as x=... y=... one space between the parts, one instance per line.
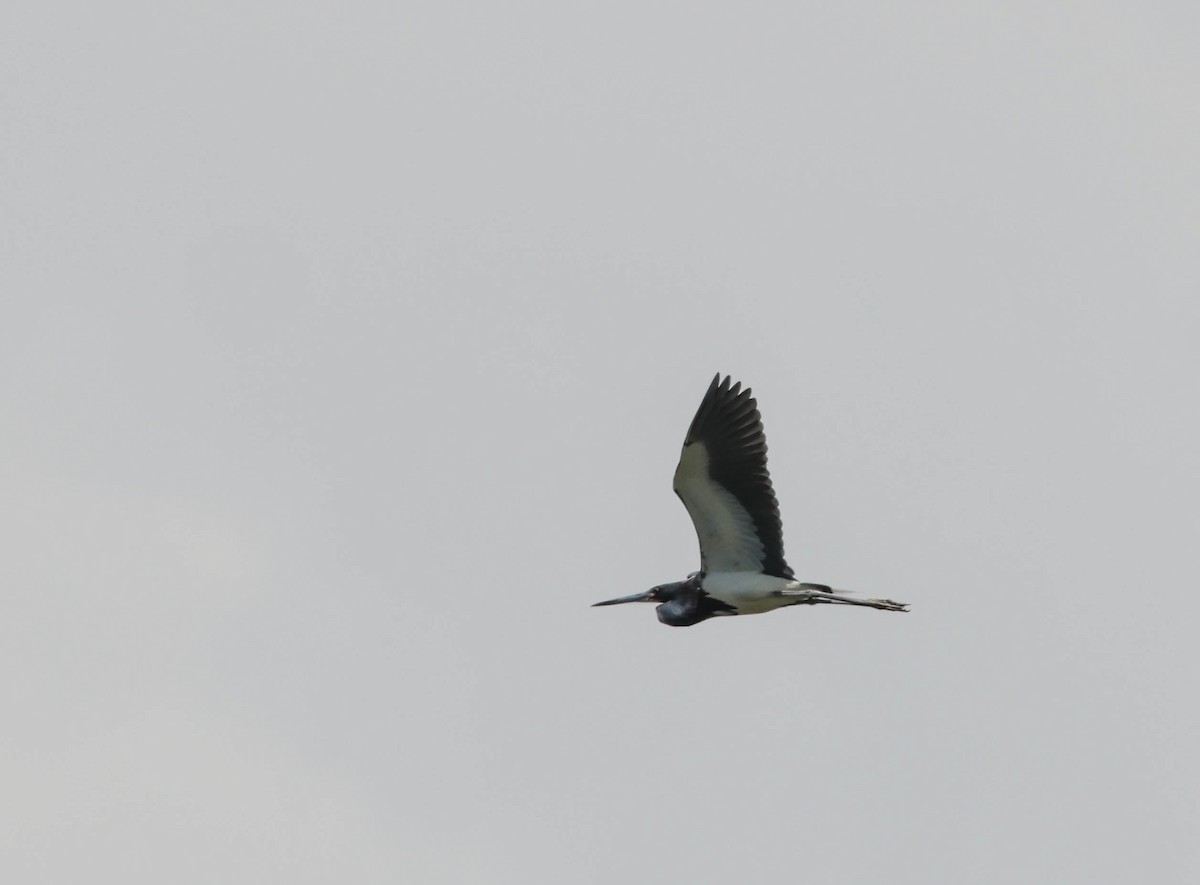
x=723 y=481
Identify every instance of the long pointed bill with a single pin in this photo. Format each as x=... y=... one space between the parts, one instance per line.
x=648 y=596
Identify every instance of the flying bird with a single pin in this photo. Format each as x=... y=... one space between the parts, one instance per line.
x=723 y=482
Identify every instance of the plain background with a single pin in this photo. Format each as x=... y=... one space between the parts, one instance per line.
x=346 y=352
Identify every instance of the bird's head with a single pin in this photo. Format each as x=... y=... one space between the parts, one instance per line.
x=679 y=603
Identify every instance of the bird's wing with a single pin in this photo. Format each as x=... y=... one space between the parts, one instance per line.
x=723 y=481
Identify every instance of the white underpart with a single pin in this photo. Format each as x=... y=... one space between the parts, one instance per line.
x=753 y=594
x=728 y=539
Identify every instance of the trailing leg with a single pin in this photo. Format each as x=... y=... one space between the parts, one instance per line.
x=812 y=594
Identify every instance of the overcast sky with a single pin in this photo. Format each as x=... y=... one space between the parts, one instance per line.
x=346 y=351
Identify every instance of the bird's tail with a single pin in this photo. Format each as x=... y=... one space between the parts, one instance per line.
x=812 y=594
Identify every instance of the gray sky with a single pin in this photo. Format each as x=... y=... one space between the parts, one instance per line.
x=346 y=355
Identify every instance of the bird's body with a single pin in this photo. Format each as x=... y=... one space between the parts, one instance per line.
x=750 y=594
x=723 y=482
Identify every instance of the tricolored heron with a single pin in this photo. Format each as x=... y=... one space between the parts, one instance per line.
x=723 y=481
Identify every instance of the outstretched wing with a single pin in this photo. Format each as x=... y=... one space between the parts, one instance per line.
x=723 y=482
